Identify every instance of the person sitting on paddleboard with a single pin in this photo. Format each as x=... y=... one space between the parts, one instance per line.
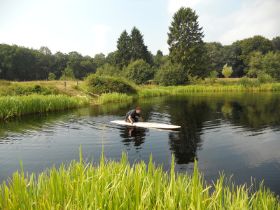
x=133 y=115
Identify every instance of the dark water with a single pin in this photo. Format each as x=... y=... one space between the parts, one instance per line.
x=237 y=134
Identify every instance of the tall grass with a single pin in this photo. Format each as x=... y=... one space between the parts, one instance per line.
x=181 y=90
x=114 y=97
x=14 y=106
x=119 y=185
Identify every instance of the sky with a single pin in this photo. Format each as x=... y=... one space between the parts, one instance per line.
x=93 y=26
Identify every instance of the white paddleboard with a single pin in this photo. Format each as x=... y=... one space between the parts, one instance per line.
x=147 y=125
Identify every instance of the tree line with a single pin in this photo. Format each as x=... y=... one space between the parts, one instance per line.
x=189 y=56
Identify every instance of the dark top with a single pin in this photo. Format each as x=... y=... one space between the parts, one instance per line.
x=134 y=115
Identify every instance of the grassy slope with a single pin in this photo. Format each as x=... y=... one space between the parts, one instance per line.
x=118 y=185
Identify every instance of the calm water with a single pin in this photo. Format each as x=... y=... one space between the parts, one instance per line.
x=237 y=134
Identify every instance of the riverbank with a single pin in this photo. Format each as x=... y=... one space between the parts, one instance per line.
x=16 y=106
x=76 y=94
x=119 y=185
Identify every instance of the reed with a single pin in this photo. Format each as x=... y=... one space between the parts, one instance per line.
x=114 y=97
x=119 y=185
x=15 y=106
x=181 y=90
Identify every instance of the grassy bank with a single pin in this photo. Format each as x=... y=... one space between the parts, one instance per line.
x=153 y=91
x=114 y=97
x=15 y=106
x=119 y=185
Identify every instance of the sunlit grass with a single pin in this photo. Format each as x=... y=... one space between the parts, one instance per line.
x=15 y=106
x=187 y=89
x=114 y=97
x=119 y=185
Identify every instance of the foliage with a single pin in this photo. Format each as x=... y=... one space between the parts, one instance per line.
x=68 y=74
x=227 y=71
x=255 y=64
x=15 y=106
x=119 y=185
x=185 y=42
x=51 y=76
x=106 y=84
x=114 y=97
x=247 y=82
x=23 y=89
x=124 y=49
x=108 y=70
x=139 y=71
x=264 y=78
x=215 y=56
x=171 y=74
x=276 y=43
x=271 y=64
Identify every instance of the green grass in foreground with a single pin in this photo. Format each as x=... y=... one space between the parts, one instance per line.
x=15 y=106
x=119 y=185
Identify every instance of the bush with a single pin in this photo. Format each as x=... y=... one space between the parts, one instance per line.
x=264 y=78
x=108 y=70
x=171 y=74
x=247 y=82
x=139 y=71
x=68 y=74
x=51 y=76
x=227 y=71
x=106 y=84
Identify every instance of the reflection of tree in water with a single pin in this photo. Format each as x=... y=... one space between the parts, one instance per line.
x=190 y=115
x=254 y=112
x=135 y=135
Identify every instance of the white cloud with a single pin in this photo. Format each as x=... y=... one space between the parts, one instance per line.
x=174 y=5
x=253 y=18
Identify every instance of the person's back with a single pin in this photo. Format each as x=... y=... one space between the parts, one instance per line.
x=133 y=115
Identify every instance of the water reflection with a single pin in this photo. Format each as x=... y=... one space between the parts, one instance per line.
x=131 y=135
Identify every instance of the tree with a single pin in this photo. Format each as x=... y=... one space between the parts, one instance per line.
x=185 y=42
x=215 y=56
x=68 y=74
x=51 y=76
x=124 y=49
x=158 y=59
x=139 y=71
x=255 y=64
x=170 y=74
x=138 y=49
x=227 y=71
x=276 y=43
x=108 y=70
x=271 y=64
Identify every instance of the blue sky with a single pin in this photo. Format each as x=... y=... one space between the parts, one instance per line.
x=93 y=26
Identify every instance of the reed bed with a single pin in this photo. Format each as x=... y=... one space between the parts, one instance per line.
x=181 y=90
x=114 y=97
x=15 y=106
x=119 y=185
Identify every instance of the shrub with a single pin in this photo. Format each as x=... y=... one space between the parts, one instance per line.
x=51 y=76
x=68 y=74
x=247 y=82
x=171 y=74
x=264 y=78
x=227 y=71
x=213 y=76
x=108 y=70
x=139 y=71
x=106 y=84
